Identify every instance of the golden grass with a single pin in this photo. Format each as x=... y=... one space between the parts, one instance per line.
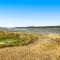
x=43 y=49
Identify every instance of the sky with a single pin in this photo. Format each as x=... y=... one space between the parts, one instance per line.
x=21 y=13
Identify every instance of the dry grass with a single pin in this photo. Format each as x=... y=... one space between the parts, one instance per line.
x=42 y=49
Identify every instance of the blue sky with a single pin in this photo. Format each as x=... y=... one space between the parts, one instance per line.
x=15 y=13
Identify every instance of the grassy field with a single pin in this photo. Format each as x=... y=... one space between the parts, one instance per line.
x=29 y=46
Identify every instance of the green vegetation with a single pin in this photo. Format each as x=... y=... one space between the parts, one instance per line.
x=30 y=46
x=10 y=39
x=16 y=38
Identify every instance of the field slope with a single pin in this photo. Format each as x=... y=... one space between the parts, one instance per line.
x=44 y=48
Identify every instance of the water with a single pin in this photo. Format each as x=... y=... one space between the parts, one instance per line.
x=39 y=30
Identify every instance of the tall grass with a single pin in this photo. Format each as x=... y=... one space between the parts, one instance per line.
x=29 y=46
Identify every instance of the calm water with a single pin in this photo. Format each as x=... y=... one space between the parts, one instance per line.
x=39 y=30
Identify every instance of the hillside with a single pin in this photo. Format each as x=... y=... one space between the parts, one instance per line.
x=43 y=49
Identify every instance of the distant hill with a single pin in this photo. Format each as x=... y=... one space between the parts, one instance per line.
x=4 y=29
x=40 y=29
